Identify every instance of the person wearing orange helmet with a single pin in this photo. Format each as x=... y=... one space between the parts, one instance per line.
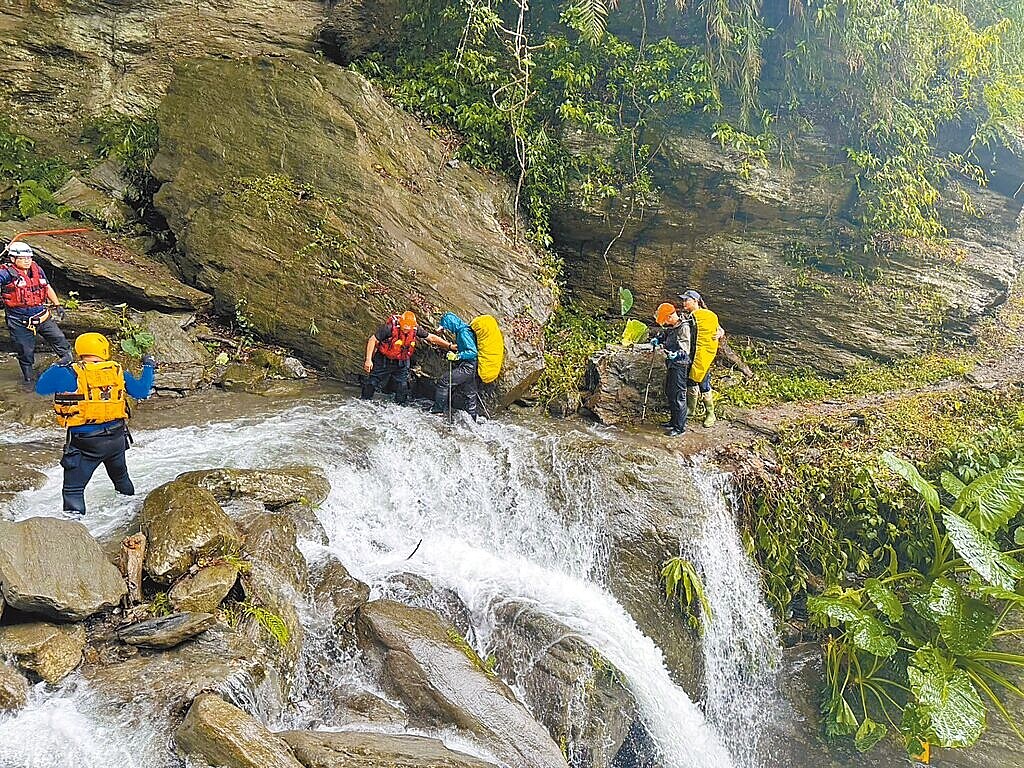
x=90 y=400
x=389 y=352
x=674 y=339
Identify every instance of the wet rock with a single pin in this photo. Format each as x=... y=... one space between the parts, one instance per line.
x=103 y=267
x=352 y=749
x=13 y=688
x=307 y=524
x=270 y=541
x=223 y=735
x=166 y=631
x=242 y=377
x=56 y=569
x=203 y=590
x=183 y=523
x=569 y=686
x=419 y=592
x=218 y=659
x=335 y=159
x=272 y=487
x=183 y=362
x=442 y=681
x=335 y=587
x=51 y=651
x=363 y=707
x=82 y=198
x=293 y=368
x=620 y=379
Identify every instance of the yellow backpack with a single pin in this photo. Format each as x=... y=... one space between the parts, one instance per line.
x=490 y=347
x=100 y=397
x=706 y=344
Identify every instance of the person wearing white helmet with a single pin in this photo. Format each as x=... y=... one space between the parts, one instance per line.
x=25 y=292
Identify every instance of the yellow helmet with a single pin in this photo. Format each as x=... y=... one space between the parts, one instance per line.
x=93 y=344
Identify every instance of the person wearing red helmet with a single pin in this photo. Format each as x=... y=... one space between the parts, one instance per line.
x=389 y=351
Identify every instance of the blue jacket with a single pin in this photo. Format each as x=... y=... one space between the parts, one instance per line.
x=62 y=378
x=464 y=336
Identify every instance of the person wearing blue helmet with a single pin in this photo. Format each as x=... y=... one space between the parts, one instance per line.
x=461 y=374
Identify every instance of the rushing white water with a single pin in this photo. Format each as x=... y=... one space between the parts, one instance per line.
x=503 y=511
x=740 y=647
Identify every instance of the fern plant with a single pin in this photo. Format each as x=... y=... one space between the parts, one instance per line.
x=683 y=583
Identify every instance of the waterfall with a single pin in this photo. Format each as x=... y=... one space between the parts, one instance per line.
x=500 y=510
x=740 y=647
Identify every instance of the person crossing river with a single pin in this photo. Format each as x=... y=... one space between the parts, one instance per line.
x=389 y=352
x=461 y=375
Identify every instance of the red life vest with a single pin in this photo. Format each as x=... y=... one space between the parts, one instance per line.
x=27 y=289
x=401 y=345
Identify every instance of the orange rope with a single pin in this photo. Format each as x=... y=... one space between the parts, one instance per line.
x=50 y=232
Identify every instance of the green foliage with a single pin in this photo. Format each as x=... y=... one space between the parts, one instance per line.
x=134 y=339
x=133 y=140
x=634 y=332
x=625 y=300
x=684 y=584
x=160 y=605
x=31 y=178
x=570 y=338
x=270 y=622
x=915 y=646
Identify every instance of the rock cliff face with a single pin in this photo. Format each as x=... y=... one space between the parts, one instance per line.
x=764 y=250
x=310 y=204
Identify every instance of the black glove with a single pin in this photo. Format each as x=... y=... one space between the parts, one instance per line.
x=59 y=312
x=149 y=360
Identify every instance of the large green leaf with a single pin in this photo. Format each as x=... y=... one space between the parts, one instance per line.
x=625 y=300
x=865 y=631
x=954 y=487
x=994 y=499
x=966 y=624
x=869 y=734
x=981 y=553
x=948 y=697
x=634 y=332
x=909 y=472
x=834 y=608
x=884 y=599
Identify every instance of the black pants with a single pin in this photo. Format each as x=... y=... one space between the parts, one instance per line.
x=460 y=378
x=84 y=453
x=675 y=393
x=385 y=372
x=25 y=343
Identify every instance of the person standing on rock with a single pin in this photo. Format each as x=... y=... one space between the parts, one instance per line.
x=26 y=291
x=389 y=352
x=704 y=338
x=461 y=375
x=675 y=339
x=90 y=400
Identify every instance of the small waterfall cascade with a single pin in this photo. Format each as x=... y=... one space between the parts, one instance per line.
x=502 y=510
x=740 y=646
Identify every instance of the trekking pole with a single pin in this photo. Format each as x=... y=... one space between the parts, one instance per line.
x=451 y=418
x=647 y=391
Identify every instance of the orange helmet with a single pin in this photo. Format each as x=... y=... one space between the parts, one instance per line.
x=407 y=321
x=663 y=313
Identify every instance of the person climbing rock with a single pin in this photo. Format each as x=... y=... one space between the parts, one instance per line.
x=704 y=337
x=389 y=351
x=461 y=375
x=89 y=398
x=674 y=339
x=26 y=291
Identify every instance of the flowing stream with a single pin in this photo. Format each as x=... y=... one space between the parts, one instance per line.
x=499 y=510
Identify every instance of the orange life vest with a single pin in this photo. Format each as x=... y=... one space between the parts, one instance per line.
x=401 y=345
x=27 y=289
x=100 y=396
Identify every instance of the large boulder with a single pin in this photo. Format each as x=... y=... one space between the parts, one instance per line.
x=223 y=735
x=772 y=251
x=103 y=267
x=623 y=380
x=184 y=523
x=355 y=28
x=184 y=364
x=352 y=749
x=308 y=160
x=218 y=659
x=51 y=651
x=569 y=686
x=272 y=487
x=56 y=569
x=337 y=591
x=443 y=682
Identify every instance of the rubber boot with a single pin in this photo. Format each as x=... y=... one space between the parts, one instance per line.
x=691 y=401
x=709 y=404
